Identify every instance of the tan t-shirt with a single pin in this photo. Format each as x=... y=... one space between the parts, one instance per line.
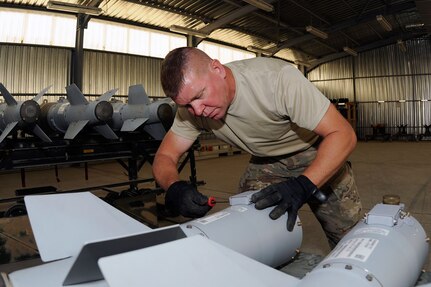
x=273 y=113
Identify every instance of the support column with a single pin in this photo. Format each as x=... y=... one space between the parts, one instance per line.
x=78 y=52
x=193 y=41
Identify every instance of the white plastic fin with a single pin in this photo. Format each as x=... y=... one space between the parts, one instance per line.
x=9 y=99
x=107 y=95
x=198 y=262
x=41 y=94
x=74 y=128
x=8 y=129
x=132 y=124
x=62 y=223
x=75 y=96
x=138 y=96
x=41 y=134
x=106 y=131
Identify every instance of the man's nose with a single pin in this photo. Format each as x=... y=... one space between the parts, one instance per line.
x=198 y=109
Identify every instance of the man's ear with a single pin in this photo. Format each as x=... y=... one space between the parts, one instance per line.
x=218 y=67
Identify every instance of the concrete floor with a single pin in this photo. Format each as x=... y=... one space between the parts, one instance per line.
x=380 y=168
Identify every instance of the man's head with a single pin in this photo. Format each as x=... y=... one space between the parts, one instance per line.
x=194 y=80
x=173 y=69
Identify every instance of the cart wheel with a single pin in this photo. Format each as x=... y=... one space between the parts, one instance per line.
x=16 y=210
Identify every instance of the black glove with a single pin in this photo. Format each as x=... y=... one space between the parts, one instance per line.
x=288 y=195
x=183 y=198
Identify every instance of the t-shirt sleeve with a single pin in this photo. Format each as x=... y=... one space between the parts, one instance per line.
x=299 y=99
x=185 y=125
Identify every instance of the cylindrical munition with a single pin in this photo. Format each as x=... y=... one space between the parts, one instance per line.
x=24 y=115
x=60 y=115
x=155 y=117
x=26 y=112
x=250 y=232
x=388 y=248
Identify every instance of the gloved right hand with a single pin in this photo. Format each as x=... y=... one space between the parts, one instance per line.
x=183 y=198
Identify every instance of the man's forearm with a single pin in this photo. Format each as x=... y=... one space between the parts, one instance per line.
x=165 y=171
x=339 y=140
x=333 y=151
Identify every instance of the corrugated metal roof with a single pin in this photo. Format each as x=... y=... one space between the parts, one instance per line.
x=348 y=22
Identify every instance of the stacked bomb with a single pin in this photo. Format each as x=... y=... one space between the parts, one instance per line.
x=70 y=116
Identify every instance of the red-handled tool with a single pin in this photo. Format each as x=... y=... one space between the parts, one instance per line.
x=211 y=201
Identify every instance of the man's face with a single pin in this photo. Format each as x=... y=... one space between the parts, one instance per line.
x=205 y=94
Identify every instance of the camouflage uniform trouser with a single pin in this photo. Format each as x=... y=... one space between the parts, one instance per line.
x=337 y=216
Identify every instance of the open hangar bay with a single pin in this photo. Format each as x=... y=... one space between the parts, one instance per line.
x=372 y=59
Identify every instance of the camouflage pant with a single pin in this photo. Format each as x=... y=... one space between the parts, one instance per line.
x=337 y=216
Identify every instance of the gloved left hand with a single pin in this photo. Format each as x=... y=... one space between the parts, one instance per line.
x=288 y=195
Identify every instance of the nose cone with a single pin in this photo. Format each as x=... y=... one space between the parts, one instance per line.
x=29 y=111
x=166 y=115
x=104 y=111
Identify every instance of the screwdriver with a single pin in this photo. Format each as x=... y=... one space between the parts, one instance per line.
x=212 y=201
